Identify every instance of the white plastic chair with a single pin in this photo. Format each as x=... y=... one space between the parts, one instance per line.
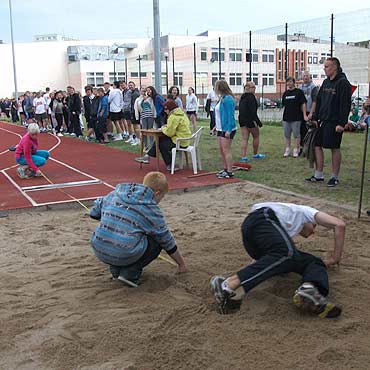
x=192 y=149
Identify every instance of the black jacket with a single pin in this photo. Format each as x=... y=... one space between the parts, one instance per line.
x=90 y=107
x=334 y=100
x=74 y=103
x=248 y=109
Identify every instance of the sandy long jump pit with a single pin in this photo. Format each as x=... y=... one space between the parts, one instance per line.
x=60 y=310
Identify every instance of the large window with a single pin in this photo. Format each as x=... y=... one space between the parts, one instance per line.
x=313 y=58
x=255 y=78
x=216 y=77
x=268 y=79
x=95 y=78
x=235 y=55
x=268 y=56
x=136 y=74
x=178 y=79
x=215 y=54
x=203 y=54
x=120 y=76
x=254 y=56
x=235 y=79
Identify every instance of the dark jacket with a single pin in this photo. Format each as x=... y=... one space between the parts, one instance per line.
x=334 y=100
x=248 y=109
x=74 y=103
x=134 y=95
x=90 y=107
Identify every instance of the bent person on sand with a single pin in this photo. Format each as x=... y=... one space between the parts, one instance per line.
x=267 y=237
x=27 y=154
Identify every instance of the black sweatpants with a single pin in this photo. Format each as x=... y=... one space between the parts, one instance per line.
x=75 y=124
x=59 y=119
x=165 y=147
x=268 y=243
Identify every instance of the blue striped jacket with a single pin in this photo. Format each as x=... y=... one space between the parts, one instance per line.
x=128 y=215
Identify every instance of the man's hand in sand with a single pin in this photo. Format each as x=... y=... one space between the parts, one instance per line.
x=181 y=269
x=330 y=260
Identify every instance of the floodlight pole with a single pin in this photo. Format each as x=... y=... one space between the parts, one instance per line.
x=157 y=48
x=332 y=35
x=13 y=53
x=250 y=56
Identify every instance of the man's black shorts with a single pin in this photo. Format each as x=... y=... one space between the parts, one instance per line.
x=115 y=116
x=126 y=115
x=327 y=137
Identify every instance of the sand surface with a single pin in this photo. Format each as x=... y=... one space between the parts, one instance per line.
x=60 y=310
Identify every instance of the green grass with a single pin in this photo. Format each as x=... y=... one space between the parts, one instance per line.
x=289 y=173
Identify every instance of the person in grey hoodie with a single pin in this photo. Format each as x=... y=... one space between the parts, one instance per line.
x=132 y=229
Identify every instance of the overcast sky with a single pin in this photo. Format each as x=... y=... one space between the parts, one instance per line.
x=98 y=19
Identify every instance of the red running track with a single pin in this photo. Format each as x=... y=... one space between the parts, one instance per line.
x=92 y=169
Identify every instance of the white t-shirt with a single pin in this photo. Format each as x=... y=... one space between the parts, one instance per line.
x=191 y=103
x=39 y=105
x=214 y=99
x=115 y=100
x=218 y=117
x=47 y=101
x=291 y=216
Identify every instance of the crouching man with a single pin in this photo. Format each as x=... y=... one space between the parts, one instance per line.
x=267 y=237
x=132 y=229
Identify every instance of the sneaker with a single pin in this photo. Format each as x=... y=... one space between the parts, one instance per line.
x=220 y=172
x=314 y=179
x=130 y=140
x=244 y=160
x=22 y=173
x=144 y=159
x=72 y=134
x=168 y=168
x=332 y=182
x=225 y=303
x=287 y=152
x=295 y=153
x=308 y=298
x=117 y=137
x=60 y=134
x=259 y=156
x=135 y=142
x=225 y=175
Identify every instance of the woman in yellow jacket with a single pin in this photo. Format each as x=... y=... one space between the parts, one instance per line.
x=177 y=127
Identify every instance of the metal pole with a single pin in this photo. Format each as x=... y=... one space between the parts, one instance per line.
x=126 y=76
x=363 y=171
x=114 y=70
x=358 y=96
x=173 y=66
x=250 y=55
x=331 y=34
x=139 y=59
x=157 y=48
x=13 y=53
x=219 y=59
x=195 y=68
x=286 y=53
x=166 y=57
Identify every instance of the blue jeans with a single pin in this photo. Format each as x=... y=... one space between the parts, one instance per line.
x=39 y=158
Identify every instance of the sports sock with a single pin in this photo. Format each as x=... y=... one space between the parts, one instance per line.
x=319 y=174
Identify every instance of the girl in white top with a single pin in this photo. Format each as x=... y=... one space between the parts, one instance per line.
x=192 y=107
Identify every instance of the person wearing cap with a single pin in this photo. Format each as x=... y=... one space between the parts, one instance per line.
x=177 y=127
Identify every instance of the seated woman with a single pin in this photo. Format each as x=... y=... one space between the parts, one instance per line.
x=27 y=155
x=177 y=127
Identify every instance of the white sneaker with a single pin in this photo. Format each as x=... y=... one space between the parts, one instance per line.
x=295 y=153
x=117 y=137
x=287 y=152
x=135 y=142
x=73 y=134
x=130 y=140
x=60 y=134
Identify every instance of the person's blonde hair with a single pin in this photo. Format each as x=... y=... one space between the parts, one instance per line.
x=249 y=85
x=156 y=181
x=33 y=128
x=222 y=88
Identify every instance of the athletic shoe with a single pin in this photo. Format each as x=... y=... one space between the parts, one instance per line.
x=117 y=137
x=60 y=134
x=314 y=179
x=144 y=159
x=72 y=134
x=130 y=140
x=259 y=156
x=287 y=152
x=225 y=303
x=244 y=160
x=22 y=173
x=308 y=298
x=225 y=175
x=135 y=142
x=295 y=153
x=220 y=172
x=333 y=182
x=168 y=168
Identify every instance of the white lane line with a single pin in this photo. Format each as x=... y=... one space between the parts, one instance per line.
x=68 y=201
x=61 y=185
x=10 y=132
x=19 y=188
x=5 y=151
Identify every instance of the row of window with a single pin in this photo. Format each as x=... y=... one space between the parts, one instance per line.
x=235 y=55
x=235 y=79
x=316 y=58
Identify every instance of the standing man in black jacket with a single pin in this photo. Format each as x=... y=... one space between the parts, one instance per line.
x=91 y=103
x=74 y=107
x=331 y=115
